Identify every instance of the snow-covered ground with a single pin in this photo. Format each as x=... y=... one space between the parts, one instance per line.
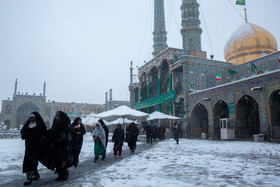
x=191 y=163
x=12 y=153
x=197 y=163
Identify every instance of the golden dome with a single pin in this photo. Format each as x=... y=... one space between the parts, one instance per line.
x=249 y=42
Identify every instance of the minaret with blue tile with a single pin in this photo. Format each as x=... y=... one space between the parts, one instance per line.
x=191 y=32
x=159 y=33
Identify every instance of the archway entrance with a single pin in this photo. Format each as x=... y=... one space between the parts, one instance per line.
x=247 y=117
x=199 y=120
x=220 y=111
x=274 y=102
x=24 y=112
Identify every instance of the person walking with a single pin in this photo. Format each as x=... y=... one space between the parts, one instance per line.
x=149 y=137
x=162 y=131
x=33 y=132
x=99 y=141
x=118 y=139
x=62 y=136
x=77 y=141
x=132 y=133
x=105 y=129
x=176 y=132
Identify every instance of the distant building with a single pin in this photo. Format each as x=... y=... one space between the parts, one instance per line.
x=16 y=111
x=111 y=104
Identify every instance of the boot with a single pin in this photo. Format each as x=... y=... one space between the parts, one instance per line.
x=95 y=158
x=27 y=182
x=28 y=178
x=103 y=157
x=35 y=176
x=64 y=174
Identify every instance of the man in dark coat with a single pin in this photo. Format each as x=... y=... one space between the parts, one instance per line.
x=176 y=132
x=78 y=132
x=62 y=136
x=33 y=132
x=162 y=131
x=132 y=133
x=118 y=139
x=105 y=129
x=149 y=133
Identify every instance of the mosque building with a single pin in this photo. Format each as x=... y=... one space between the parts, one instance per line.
x=245 y=88
x=16 y=111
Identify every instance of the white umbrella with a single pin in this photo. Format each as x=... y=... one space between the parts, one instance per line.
x=121 y=121
x=92 y=119
x=123 y=112
x=160 y=115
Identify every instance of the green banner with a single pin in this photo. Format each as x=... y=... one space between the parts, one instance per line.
x=157 y=100
x=73 y=113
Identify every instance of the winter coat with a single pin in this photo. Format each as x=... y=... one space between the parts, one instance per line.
x=149 y=130
x=118 y=136
x=34 y=141
x=176 y=130
x=131 y=133
x=61 y=132
x=162 y=130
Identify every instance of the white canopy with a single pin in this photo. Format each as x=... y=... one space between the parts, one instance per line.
x=92 y=119
x=123 y=121
x=160 y=115
x=123 y=112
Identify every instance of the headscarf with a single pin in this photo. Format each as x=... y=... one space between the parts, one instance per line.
x=36 y=132
x=75 y=122
x=99 y=131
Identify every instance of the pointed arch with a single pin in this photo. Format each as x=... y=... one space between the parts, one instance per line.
x=221 y=110
x=199 y=120
x=247 y=117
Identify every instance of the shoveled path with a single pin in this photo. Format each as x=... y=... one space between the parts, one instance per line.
x=84 y=169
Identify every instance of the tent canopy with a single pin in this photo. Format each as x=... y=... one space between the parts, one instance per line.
x=92 y=119
x=160 y=115
x=123 y=112
x=123 y=121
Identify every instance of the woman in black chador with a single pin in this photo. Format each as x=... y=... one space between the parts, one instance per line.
x=77 y=141
x=62 y=135
x=132 y=133
x=34 y=133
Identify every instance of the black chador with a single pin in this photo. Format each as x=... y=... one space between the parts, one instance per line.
x=62 y=136
x=132 y=133
x=34 y=133
x=77 y=141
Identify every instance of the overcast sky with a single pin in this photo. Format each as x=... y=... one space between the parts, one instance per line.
x=82 y=48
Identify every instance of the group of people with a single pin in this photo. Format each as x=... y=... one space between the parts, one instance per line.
x=153 y=132
x=58 y=148
x=100 y=135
